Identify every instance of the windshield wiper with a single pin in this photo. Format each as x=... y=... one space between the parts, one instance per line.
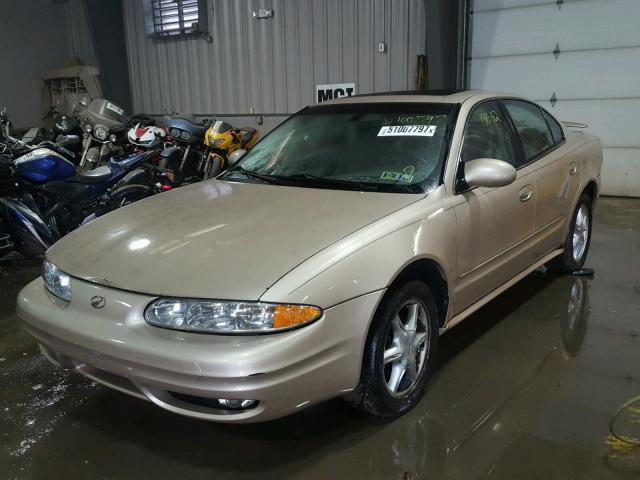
x=258 y=176
x=306 y=179
x=332 y=181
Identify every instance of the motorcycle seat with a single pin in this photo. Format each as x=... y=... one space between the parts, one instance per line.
x=97 y=175
x=246 y=133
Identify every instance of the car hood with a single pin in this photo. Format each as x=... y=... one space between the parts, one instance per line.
x=216 y=239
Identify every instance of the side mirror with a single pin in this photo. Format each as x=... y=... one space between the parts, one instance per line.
x=489 y=172
x=236 y=156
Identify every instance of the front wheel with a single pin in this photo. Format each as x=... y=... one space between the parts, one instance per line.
x=399 y=353
x=578 y=240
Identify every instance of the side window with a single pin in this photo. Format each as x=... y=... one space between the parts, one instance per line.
x=531 y=126
x=487 y=135
x=556 y=129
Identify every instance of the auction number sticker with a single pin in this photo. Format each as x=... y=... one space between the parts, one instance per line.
x=407 y=131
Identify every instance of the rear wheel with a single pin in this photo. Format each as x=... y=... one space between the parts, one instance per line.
x=576 y=246
x=399 y=353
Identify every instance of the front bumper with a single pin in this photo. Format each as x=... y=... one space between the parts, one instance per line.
x=114 y=345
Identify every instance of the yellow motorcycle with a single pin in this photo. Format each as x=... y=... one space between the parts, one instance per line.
x=221 y=140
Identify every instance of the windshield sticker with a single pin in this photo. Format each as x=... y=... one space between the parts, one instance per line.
x=407 y=131
x=406 y=176
x=418 y=119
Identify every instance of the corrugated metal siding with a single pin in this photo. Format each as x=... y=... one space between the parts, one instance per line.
x=80 y=41
x=595 y=77
x=272 y=65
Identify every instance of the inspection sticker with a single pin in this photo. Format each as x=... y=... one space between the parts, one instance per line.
x=407 y=131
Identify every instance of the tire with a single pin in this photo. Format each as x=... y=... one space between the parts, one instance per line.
x=129 y=199
x=375 y=393
x=578 y=240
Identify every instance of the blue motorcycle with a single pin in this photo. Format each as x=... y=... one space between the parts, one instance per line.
x=53 y=199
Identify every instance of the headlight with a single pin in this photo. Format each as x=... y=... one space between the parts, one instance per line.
x=213 y=316
x=57 y=282
x=88 y=128
x=185 y=135
x=216 y=142
x=101 y=132
x=174 y=132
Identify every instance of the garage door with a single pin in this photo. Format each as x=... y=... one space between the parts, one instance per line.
x=578 y=58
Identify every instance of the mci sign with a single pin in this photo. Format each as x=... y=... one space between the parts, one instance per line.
x=334 y=90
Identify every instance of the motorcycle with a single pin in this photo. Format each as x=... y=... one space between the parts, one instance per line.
x=151 y=138
x=221 y=140
x=44 y=212
x=67 y=130
x=184 y=160
x=104 y=123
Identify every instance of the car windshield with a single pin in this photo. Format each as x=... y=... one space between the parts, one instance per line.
x=393 y=147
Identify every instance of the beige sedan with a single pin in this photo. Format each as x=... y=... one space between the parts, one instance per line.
x=326 y=262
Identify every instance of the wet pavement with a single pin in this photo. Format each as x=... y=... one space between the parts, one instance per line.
x=524 y=390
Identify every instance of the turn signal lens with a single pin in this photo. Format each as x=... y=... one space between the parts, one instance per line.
x=213 y=316
x=287 y=316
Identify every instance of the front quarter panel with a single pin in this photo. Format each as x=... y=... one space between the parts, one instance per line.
x=370 y=259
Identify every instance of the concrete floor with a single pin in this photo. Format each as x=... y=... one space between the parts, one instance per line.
x=524 y=390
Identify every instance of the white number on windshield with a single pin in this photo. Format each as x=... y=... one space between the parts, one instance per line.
x=407 y=131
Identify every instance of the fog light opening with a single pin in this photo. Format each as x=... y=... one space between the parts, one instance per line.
x=223 y=404
x=236 y=404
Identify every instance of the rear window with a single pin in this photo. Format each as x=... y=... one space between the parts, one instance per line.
x=531 y=126
x=556 y=129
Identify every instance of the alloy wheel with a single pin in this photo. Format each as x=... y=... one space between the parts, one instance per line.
x=406 y=348
x=580 y=233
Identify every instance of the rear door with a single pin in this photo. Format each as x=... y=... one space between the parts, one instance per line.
x=494 y=224
x=556 y=171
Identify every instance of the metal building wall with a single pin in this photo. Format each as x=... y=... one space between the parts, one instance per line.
x=272 y=65
x=78 y=32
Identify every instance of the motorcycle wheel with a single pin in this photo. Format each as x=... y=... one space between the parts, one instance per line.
x=213 y=167
x=132 y=198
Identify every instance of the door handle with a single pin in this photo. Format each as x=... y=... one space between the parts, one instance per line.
x=573 y=168
x=526 y=193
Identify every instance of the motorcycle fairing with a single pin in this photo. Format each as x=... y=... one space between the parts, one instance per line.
x=29 y=233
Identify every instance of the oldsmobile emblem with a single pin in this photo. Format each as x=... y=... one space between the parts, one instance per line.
x=98 y=301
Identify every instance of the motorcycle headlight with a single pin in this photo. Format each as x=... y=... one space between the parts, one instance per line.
x=175 y=132
x=185 y=135
x=101 y=132
x=57 y=282
x=88 y=128
x=215 y=142
x=215 y=316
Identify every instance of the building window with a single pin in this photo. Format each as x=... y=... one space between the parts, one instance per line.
x=169 y=18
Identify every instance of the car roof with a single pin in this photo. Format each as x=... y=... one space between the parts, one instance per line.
x=427 y=96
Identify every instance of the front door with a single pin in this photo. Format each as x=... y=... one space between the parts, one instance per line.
x=493 y=224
